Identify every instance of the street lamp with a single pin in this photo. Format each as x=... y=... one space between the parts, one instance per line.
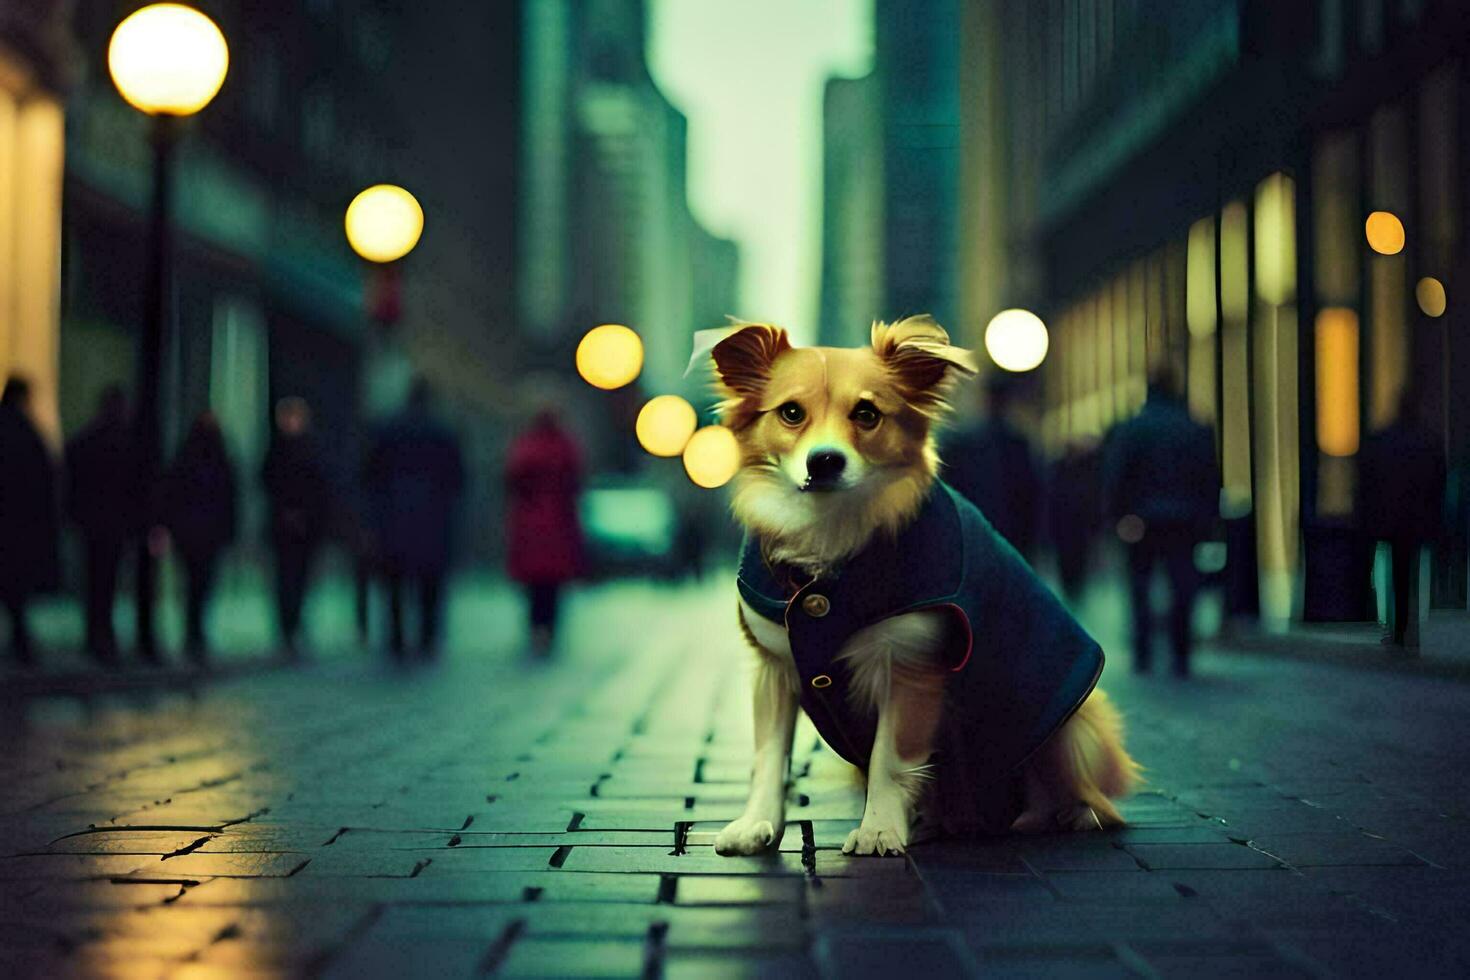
x=383 y=224
x=169 y=61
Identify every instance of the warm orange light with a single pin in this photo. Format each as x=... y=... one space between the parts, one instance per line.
x=168 y=59
x=1431 y=297
x=712 y=457
x=1385 y=233
x=665 y=424
x=1337 y=381
x=609 y=356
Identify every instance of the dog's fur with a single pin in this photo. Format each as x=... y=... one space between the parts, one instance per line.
x=875 y=406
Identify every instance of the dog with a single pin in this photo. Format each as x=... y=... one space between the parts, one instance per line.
x=920 y=644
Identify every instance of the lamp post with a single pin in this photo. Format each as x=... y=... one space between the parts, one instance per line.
x=383 y=224
x=167 y=60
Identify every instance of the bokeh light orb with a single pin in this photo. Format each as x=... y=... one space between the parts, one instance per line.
x=609 y=356
x=1131 y=529
x=1016 y=340
x=1385 y=233
x=712 y=456
x=167 y=59
x=1430 y=294
x=384 y=223
x=665 y=424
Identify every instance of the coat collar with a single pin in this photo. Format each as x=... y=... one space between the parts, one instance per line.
x=923 y=565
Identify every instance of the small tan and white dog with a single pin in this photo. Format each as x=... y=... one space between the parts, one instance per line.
x=838 y=477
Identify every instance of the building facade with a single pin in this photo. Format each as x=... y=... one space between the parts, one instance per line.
x=605 y=230
x=1190 y=186
x=38 y=64
x=852 y=210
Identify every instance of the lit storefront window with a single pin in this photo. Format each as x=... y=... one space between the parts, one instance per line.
x=1201 y=318
x=1235 y=372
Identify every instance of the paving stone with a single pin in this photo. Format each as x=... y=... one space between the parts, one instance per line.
x=740 y=890
x=1174 y=856
x=72 y=866
x=243 y=864
x=906 y=952
x=1131 y=887
x=574 y=958
x=740 y=965
x=1335 y=850
x=695 y=861
x=958 y=889
x=1222 y=959
x=393 y=960
x=526 y=820
x=900 y=901
x=1074 y=853
x=1045 y=962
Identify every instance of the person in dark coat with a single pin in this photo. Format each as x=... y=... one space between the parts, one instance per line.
x=1162 y=485
x=415 y=475
x=297 y=488
x=543 y=476
x=29 y=524
x=992 y=466
x=101 y=474
x=1402 y=489
x=199 y=493
x=1073 y=508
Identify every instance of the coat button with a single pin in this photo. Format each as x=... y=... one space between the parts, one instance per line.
x=816 y=606
x=821 y=681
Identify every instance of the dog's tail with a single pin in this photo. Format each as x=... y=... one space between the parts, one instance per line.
x=1092 y=757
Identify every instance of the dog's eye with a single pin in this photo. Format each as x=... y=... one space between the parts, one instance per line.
x=866 y=415
x=792 y=413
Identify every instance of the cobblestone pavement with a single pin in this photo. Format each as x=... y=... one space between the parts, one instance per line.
x=554 y=819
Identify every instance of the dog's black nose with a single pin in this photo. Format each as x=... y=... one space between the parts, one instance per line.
x=825 y=465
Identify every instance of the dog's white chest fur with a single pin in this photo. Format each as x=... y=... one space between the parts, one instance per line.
x=912 y=640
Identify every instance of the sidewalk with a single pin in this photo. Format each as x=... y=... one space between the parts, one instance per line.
x=497 y=816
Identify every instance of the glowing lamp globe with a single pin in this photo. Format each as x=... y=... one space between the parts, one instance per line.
x=1016 y=340
x=168 y=59
x=1430 y=295
x=712 y=456
x=384 y=223
x=1385 y=233
x=609 y=356
x=665 y=424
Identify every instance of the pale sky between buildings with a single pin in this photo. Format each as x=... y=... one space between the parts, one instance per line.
x=749 y=76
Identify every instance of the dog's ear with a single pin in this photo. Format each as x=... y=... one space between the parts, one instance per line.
x=743 y=363
x=921 y=359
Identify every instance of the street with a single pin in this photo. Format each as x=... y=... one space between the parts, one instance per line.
x=494 y=815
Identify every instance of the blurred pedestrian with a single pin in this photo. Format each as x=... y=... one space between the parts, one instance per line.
x=29 y=523
x=297 y=488
x=415 y=475
x=1073 y=504
x=199 y=511
x=101 y=477
x=1402 y=489
x=543 y=478
x=1162 y=486
x=993 y=466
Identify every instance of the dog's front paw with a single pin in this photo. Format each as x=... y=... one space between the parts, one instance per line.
x=875 y=839
x=748 y=836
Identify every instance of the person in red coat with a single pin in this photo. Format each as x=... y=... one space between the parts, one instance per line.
x=543 y=475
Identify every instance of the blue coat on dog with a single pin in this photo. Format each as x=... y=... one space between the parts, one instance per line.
x=1021 y=665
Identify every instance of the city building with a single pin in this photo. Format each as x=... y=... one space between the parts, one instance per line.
x=852 y=211
x=890 y=177
x=605 y=229
x=917 y=62
x=1191 y=185
x=38 y=62
x=267 y=299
